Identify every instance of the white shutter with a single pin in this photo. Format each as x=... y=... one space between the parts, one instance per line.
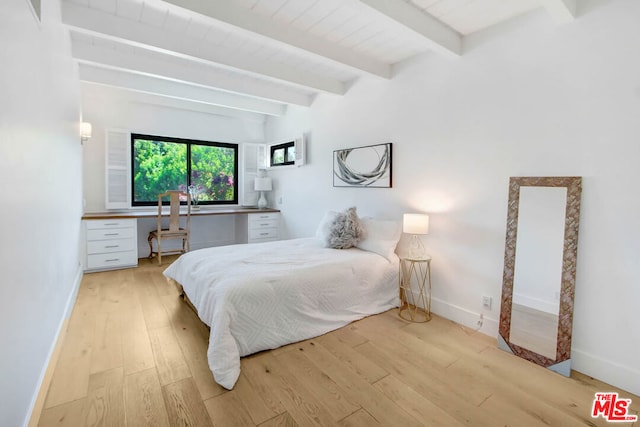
x=254 y=157
x=117 y=169
x=299 y=145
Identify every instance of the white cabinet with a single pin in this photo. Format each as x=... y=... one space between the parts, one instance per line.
x=258 y=227
x=110 y=244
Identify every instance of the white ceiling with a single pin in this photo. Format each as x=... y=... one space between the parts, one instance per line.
x=262 y=55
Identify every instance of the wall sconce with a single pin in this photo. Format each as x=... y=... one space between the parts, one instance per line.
x=416 y=224
x=85 y=131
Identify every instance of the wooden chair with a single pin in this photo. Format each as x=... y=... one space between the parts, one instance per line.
x=175 y=231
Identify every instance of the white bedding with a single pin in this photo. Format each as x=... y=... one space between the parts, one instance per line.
x=261 y=296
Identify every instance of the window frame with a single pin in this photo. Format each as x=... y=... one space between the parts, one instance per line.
x=188 y=143
x=286 y=145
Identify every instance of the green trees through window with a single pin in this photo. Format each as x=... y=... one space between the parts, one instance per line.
x=163 y=163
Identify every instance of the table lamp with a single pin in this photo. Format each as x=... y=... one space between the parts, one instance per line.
x=262 y=184
x=416 y=225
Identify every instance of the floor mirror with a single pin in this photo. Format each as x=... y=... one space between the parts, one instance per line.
x=536 y=314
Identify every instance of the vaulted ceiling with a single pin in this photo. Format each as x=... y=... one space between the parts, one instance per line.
x=261 y=55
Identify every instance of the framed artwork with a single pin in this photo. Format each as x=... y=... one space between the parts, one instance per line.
x=368 y=166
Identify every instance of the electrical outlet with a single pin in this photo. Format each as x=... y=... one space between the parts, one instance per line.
x=486 y=303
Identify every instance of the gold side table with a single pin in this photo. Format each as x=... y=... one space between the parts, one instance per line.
x=414 y=280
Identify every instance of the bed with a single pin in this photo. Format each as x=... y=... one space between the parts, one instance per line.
x=261 y=296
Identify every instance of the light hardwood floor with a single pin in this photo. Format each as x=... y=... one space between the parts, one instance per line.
x=135 y=355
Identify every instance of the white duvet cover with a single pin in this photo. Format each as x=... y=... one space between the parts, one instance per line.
x=261 y=296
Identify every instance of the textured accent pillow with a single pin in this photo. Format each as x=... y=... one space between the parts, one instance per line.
x=345 y=231
x=380 y=236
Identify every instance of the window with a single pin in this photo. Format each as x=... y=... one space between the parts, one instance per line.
x=282 y=154
x=162 y=163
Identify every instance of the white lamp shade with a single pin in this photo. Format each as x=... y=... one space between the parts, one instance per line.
x=85 y=130
x=415 y=224
x=262 y=184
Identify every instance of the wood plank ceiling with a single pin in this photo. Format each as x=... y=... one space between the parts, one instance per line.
x=261 y=55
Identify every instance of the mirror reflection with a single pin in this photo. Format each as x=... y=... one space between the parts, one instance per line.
x=538 y=269
x=539 y=276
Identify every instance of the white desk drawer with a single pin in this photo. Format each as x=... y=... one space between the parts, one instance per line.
x=107 y=246
x=263 y=233
x=267 y=216
x=110 y=234
x=112 y=260
x=110 y=223
x=265 y=223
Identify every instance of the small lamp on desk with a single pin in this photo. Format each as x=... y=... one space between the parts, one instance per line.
x=416 y=225
x=262 y=184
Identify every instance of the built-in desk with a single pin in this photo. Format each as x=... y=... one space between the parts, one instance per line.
x=110 y=239
x=134 y=214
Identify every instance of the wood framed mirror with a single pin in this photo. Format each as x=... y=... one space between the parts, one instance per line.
x=538 y=283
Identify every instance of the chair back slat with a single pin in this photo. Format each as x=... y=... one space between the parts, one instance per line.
x=174 y=210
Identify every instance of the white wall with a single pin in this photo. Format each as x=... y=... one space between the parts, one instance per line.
x=40 y=182
x=530 y=98
x=107 y=108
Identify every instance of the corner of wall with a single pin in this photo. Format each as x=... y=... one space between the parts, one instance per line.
x=37 y=403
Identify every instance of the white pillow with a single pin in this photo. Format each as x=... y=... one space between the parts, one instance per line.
x=381 y=236
x=324 y=228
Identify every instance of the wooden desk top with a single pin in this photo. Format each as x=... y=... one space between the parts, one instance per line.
x=154 y=213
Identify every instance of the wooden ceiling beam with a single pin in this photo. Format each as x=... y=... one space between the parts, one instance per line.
x=436 y=35
x=226 y=12
x=100 y=24
x=171 y=89
x=181 y=71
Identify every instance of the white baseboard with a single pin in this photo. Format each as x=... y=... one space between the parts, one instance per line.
x=37 y=401
x=466 y=317
x=623 y=377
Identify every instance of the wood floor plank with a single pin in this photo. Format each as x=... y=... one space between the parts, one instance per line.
x=414 y=403
x=257 y=374
x=137 y=354
x=169 y=360
x=440 y=392
x=259 y=403
x=71 y=414
x=105 y=400
x=227 y=410
x=347 y=336
x=154 y=313
x=184 y=405
x=405 y=361
x=357 y=388
x=298 y=401
x=359 y=364
x=107 y=343
x=144 y=402
x=282 y=420
x=441 y=331
x=70 y=380
x=377 y=327
x=361 y=418
x=319 y=384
